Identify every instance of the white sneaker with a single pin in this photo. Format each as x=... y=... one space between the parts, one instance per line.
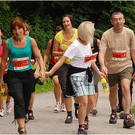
x=8 y=107
x=57 y=106
x=63 y=108
x=2 y=112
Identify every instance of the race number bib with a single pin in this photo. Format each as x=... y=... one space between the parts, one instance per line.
x=91 y=57
x=119 y=55
x=21 y=63
x=32 y=62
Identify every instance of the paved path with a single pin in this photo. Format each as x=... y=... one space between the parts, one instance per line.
x=48 y=122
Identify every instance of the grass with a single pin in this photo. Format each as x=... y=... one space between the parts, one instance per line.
x=46 y=87
x=133 y=111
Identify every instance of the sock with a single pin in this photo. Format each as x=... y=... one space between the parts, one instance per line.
x=86 y=118
x=114 y=111
x=76 y=104
x=69 y=113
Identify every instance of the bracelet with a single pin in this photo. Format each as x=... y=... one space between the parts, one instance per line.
x=1 y=80
x=97 y=69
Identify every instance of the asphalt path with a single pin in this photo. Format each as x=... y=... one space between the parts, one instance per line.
x=49 y=122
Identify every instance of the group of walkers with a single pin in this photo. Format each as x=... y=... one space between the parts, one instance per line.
x=72 y=67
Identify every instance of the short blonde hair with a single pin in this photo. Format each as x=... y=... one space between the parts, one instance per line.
x=86 y=31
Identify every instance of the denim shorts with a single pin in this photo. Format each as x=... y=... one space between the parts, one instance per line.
x=81 y=86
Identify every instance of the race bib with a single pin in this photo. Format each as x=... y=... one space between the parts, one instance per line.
x=21 y=63
x=32 y=62
x=119 y=55
x=91 y=57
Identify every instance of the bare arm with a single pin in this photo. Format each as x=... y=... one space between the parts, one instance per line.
x=57 y=66
x=47 y=53
x=3 y=62
x=38 y=58
x=93 y=64
x=55 y=51
x=101 y=58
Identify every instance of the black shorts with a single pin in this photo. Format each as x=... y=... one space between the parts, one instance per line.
x=56 y=73
x=62 y=76
x=20 y=86
x=5 y=78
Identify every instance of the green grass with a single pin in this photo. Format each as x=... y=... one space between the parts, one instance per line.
x=46 y=87
x=133 y=111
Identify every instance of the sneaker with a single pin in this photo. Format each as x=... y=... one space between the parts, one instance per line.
x=30 y=115
x=8 y=107
x=121 y=115
x=82 y=130
x=68 y=119
x=2 y=112
x=86 y=122
x=57 y=107
x=76 y=110
x=63 y=108
x=94 y=111
x=128 y=122
x=113 y=118
x=22 y=131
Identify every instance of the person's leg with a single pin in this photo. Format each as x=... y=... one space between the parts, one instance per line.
x=57 y=93
x=8 y=101
x=62 y=76
x=96 y=80
x=91 y=101
x=16 y=91
x=31 y=101
x=82 y=109
x=126 y=97
x=57 y=89
x=2 y=111
x=125 y=77
x=96 y=77
x=120 y=97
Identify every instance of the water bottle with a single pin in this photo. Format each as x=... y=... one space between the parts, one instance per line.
x=104 y=84
x=3 y=93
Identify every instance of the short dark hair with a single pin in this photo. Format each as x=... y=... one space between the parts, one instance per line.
x=71 y=19
x=16 y=22
x=117 y=13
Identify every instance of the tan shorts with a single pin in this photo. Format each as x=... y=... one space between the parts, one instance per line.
x=113 y=79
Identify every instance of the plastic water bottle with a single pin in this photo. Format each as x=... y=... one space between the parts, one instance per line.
x=3 y=93
x=104 y=84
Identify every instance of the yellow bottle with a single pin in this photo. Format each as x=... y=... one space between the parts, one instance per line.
x=3 y=93
x=104 y=84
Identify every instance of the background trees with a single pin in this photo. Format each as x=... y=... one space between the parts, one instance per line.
x=43 y=16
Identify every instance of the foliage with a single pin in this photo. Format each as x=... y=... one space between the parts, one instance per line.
x=47 y=86
x=47 y=15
